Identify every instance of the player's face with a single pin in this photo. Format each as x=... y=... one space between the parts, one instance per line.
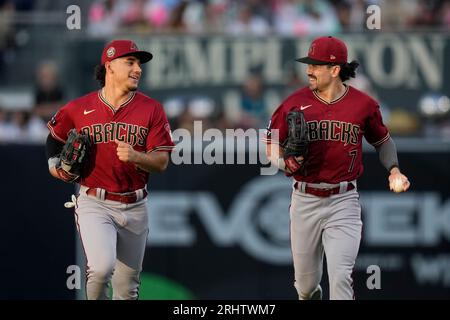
x=127 y=72
x=321 y=76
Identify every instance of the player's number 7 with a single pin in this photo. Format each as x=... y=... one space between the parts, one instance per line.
x=352 y=154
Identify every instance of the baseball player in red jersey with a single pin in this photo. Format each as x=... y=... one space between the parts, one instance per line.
x=325 y=214
x=131 y=138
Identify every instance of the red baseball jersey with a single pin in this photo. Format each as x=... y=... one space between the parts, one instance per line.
x=140 y=121
x=335 y=130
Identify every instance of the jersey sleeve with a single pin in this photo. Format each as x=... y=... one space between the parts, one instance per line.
x=61 y=123
x=159 y=137
x=376 y=133
x=277 y=130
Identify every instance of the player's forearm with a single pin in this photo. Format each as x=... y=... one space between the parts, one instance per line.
x=387 y=153
x=153 y=161
x=53 y=148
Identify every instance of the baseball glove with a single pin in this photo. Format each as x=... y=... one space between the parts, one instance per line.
x=73 y=156
x=297 y=142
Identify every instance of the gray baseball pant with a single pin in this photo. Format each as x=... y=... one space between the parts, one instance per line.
x=330 y=225
x=114 y=237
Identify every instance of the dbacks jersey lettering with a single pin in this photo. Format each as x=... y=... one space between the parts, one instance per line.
x=140 y=121
x=335 y=130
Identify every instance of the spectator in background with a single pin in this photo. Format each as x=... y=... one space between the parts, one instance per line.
x=293 y=81
x=19 y=125
x=343 y=13
x=253 y=108
x=174 y=106
x=144 y=16
x=135 y=16
x=21 y=128
x=358 y=14
x=182 y=111
x=5 y=126
x=198 y=108
x=425 y=14
x=352 y=13
x=396 y=13
x=249 y=23
x=105 y=17
x=49 y=95
x=176 y=21
x=215 y=15
x=202 y=16
x=305 y=17
x=434 y=109
x=197 y=17
x=14 y=126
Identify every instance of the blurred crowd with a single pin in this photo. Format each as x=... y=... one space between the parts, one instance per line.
x=24 y=120
x=260 y=17
x=235 y=17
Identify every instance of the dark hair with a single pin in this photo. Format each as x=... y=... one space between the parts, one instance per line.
x=99 y=74
x=348 y=70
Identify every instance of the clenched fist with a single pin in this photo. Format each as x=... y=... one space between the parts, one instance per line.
x=125 y=152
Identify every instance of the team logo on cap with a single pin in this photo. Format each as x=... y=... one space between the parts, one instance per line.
x=110 y=53
x=311 y=48
x=134 y=46
x=332 y=57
